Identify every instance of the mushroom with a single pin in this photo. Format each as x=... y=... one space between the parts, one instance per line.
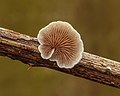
x=60 y=42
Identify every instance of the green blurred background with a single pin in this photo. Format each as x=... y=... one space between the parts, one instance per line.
x=98 y=22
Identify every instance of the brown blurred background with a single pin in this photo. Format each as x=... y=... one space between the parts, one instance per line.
x=98 y=22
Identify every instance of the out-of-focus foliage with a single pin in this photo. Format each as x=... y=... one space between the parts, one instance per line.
x=98 y=21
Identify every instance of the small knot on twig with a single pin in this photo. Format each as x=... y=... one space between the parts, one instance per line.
x=29 y=66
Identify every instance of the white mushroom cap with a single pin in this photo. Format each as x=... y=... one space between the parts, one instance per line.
x=60 y=42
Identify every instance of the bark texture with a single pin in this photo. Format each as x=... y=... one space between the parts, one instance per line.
x=25 y=48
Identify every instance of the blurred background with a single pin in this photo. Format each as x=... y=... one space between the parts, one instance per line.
x=98 y=22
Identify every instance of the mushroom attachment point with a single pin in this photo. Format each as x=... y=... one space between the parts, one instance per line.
x=60 y=42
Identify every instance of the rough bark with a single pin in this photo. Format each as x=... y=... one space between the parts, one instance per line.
x=24 y=48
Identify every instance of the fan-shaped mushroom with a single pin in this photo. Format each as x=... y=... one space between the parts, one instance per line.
x=60 y=42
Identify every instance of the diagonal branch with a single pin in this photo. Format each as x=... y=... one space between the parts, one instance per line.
x=24 y=48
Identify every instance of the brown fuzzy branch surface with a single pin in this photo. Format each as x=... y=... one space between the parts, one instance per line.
x=24 y=48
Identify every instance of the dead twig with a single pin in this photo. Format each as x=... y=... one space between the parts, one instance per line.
x=24 y=48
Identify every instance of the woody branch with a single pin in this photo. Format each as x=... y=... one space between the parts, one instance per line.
x=25 y=49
